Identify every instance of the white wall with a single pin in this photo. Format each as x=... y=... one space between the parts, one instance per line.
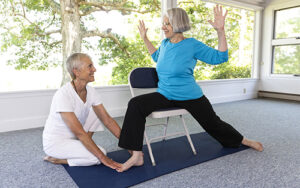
x=29 y=109
x=269 y=82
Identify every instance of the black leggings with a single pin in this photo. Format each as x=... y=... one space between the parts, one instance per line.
x=132 y=134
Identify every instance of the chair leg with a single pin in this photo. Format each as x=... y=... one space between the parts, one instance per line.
x=166 y=126
x=188 y=135
x=149 y=149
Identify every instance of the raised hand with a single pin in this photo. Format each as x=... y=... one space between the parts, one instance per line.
x=110 y=163
x=143 y=30
x=219 y=19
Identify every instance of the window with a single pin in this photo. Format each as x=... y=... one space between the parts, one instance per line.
x=239 y=28
x=31 y=47
x=286 y=42
x=28 y=64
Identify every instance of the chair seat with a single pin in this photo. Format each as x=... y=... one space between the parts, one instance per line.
x=168 y=112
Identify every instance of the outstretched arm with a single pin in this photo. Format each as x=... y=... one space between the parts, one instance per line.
x=75 y=126
x=143 y=33
x=218 y=24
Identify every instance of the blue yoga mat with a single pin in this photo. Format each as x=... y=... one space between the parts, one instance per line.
x=170 y=155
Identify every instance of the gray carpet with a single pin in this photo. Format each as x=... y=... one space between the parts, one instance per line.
x=276 y=123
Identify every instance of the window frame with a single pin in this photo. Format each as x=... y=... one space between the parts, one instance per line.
x=281 y=42
x=257 y=30
x=166 y=4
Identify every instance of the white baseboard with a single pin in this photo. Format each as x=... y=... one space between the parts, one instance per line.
x=276 y=95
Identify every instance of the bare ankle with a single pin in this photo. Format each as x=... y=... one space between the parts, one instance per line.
x=137 y=159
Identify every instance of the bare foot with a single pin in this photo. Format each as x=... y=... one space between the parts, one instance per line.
x=55 y=161
x=137 y=159
x=253 y=144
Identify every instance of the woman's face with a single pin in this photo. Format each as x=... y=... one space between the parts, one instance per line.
x=87 y=70
x=167 y=28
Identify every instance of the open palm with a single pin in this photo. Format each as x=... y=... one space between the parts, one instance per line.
x=142 y=29
x=219 y=19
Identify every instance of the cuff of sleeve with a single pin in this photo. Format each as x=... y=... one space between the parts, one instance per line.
x=223 y=55
x=154 y=56
x=64 y=110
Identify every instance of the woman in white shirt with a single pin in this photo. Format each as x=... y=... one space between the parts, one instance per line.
x=67 y=137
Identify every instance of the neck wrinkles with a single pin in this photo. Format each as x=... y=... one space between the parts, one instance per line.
x=79 y=86
x=177 y=37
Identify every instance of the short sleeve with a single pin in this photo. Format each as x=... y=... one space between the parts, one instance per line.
x=209 y=55
x=155 y=55
x=95 y=97
x=63 y=103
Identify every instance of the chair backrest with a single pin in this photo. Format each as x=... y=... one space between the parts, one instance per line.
x=142 y=80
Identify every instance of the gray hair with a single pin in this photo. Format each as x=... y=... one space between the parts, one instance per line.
x=74 y=62
x=178 y=19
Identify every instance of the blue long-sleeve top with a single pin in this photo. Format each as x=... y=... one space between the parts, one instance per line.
x=175 y=67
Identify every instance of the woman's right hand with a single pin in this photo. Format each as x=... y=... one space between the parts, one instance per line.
x=143 y=30
x=110 y=163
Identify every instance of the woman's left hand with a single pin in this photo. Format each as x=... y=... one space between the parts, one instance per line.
x=219 y=20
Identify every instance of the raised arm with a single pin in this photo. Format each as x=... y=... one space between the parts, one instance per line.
x=218 y=24
x=75 y=126
x=109 y=122
x=143 y=33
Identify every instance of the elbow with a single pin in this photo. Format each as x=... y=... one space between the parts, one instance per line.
x=219 y=60
x=225 y=59
x=222 y=57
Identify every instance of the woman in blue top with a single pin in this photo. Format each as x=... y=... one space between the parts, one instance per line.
x=176 y=59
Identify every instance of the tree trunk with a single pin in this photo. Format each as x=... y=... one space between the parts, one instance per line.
x=71 y=35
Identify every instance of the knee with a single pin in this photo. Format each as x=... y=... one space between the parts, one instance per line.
x=138 y=105
x=134 y=102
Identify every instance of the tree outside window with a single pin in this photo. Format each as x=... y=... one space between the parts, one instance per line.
x=38 y=35
x=286 y=42
x=239 y=30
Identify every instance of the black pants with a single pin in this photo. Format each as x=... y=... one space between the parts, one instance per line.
x=132 y=134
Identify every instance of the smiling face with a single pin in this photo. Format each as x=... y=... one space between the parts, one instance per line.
x=167 y=28
x=86 y=70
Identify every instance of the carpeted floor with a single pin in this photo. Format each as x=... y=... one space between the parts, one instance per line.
x=276 y=123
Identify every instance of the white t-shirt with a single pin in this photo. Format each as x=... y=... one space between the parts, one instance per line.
x=67 y=100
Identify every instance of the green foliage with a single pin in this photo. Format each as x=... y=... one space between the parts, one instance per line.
x=35 y=50
x=37 y=5
x=287 y=58
x=227 y=71
x=111 y=53
x=201 y=30
x=25 y=25
x=199 y=15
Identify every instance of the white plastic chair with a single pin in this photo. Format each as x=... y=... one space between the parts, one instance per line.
x=144 y=80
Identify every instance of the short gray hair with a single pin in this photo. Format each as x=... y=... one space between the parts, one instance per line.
x=178 y=19
x=74 y=62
